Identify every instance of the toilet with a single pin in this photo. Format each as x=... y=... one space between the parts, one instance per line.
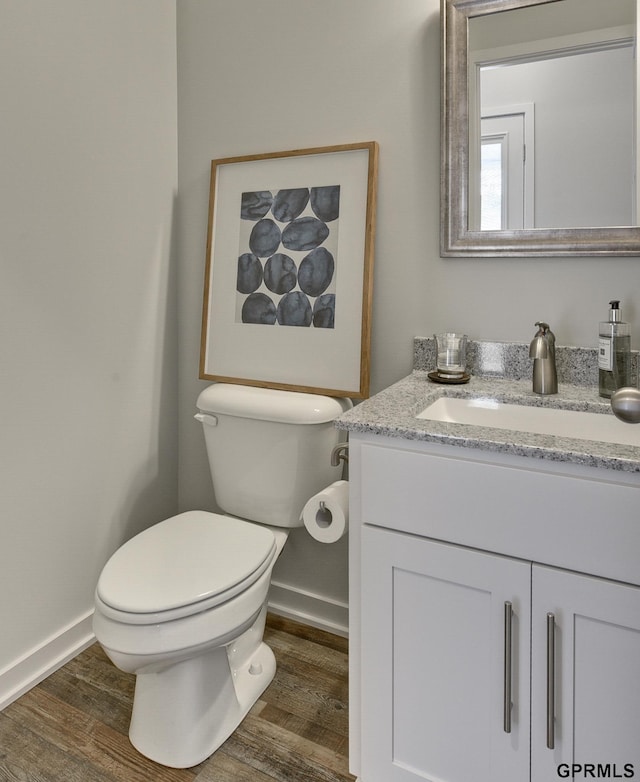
x=182 y=605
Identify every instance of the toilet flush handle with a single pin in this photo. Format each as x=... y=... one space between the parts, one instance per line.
x=205 y=418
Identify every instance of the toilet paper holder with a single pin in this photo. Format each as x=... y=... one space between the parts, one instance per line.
x=326 y=514
x=324 y=517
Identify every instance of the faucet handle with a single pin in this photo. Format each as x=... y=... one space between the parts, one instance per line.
x=539 y=347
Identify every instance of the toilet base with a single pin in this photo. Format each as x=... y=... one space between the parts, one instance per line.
x=182 y=714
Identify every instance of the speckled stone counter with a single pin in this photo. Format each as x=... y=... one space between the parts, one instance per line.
x=392 y=412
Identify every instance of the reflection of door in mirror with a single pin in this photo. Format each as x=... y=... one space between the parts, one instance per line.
x=506 y=186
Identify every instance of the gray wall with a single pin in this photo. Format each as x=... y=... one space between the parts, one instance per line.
x=287 y=74
x=88 y=173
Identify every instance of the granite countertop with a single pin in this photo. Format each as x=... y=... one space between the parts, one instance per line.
x=392 y=413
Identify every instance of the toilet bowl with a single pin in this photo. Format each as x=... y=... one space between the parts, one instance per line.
x=183 y=605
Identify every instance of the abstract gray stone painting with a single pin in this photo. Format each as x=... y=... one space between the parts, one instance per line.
x=287 y=259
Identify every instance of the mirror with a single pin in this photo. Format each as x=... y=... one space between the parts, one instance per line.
x=539 y=149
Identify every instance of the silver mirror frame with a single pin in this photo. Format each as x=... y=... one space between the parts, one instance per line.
x=455 y=238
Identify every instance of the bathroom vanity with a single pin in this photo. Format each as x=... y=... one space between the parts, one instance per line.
x=495 y=590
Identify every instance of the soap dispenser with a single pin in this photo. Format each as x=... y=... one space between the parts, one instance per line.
x=614 y=353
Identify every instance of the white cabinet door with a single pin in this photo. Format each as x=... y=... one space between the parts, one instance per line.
x=433 y=662
x=597 y=676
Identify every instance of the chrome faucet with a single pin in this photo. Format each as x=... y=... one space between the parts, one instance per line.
x=543 y=352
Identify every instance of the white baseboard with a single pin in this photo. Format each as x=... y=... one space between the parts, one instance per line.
x=41 y=661
x=309 y=608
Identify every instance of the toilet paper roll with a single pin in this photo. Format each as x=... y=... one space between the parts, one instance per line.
x=326 y=514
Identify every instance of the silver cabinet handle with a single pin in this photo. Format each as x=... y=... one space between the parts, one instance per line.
x=551 y=679
x=508 y=621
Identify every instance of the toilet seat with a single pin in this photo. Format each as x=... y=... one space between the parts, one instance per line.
x=182 y=566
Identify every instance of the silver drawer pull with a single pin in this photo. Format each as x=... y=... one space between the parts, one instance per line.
x=551 y=679
x=508 y=623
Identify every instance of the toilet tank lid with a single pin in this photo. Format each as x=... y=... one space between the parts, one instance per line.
x=270 y=404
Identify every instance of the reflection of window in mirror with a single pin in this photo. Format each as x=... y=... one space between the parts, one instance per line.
x=506 y=169
x=492 y=178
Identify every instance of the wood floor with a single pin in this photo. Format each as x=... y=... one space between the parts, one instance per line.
x=73 y=726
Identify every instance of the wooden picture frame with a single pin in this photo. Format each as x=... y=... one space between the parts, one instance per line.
x=289 y=263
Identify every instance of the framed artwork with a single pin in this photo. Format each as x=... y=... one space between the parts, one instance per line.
x=288 y=278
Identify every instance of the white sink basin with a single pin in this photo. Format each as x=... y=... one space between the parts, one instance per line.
x=536 y=420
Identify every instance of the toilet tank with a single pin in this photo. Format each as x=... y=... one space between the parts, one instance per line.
x=269 y=450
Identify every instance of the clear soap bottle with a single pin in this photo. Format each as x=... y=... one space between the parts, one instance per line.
x=614 y=353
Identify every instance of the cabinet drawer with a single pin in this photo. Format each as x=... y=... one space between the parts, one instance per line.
x=564 y=520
